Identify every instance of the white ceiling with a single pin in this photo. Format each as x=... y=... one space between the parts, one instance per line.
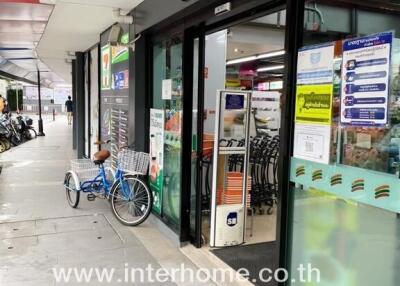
x=22 y=24
x=75 y=25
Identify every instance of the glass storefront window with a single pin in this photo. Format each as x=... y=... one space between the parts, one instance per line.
x=346 y=204
x=167 y=96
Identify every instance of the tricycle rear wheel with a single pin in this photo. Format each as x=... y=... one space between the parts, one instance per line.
x=73 y=195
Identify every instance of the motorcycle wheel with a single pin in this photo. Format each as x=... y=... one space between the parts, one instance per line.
x=32 y=131
x=8 y=143
x=28 y=135
x=2 y=146
x=15 y=141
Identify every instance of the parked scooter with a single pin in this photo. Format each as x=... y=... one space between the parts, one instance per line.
x=14 y=131
x=5 y=143
x=26 y=129
x=13 y=127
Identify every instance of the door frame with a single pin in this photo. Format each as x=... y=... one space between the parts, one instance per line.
x=201 y=31
x=190 y=35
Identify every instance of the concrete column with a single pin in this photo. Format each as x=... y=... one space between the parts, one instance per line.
x=80 y=104
x=73 y=72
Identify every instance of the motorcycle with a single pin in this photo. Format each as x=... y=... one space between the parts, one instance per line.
x=5 y=134
x=25 y=125
x=13 y=126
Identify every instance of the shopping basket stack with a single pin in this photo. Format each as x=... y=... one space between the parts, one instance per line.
x=233 y=189
x=208 y=144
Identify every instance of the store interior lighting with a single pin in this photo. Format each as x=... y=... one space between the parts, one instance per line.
x=241 y=60
x=270 y=68
x=256 y=57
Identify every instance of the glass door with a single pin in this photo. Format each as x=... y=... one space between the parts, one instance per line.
x=167 y=99
x=195 y=184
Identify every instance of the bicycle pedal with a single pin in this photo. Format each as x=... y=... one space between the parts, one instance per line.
x=91 y=197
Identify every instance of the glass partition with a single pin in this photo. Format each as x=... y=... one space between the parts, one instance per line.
x=167 y=97
x=346 y=168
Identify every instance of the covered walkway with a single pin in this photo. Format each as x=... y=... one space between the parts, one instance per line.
x=39 y=231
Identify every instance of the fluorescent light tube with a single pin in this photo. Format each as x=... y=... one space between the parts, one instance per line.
x=256 y=57
x=270 y=68
x=271 y=54
x=241 y=60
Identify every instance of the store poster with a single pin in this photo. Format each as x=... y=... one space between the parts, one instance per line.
x=314 y=92
x=120 y=53
x=157 y=157
x=314 y=104
x=166 y=89
x=365 y=86
x=314 y=64
x=105 y=67
x=120 y=80
x=312 y=142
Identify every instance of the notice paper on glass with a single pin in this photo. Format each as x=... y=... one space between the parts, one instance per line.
x=312 y=142
x=314 y=64
x=365 y=80
x=167 y=89
x=314 y=104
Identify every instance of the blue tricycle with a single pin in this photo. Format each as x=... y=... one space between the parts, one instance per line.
x=130 y=197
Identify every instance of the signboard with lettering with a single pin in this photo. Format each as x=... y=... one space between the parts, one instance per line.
x=365 y=85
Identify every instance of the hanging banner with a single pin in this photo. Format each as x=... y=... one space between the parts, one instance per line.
x=157 y=157
x=105 y=68
x=365 y=85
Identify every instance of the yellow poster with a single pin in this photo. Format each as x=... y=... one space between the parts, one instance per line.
x=314 y=104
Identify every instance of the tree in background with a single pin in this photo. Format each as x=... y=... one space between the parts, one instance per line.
x=12 y=99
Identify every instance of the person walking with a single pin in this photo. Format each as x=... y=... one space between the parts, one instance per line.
x=69 y=106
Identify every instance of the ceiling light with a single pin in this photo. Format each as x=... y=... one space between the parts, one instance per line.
x=270 y=68
x=271 y=54
x=241 y=60
x=256 y=57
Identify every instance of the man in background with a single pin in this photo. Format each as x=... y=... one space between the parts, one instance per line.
x=69 y=106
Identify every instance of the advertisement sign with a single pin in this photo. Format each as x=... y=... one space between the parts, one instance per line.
x=105 y=68
x=121 y=80
x=365 y=85
x=157 y=157
x=166 y=89
x=119 y=54
x=312 y=142
x=314 y=104
x=314 y=64
x=234 y=101
x=314 y=92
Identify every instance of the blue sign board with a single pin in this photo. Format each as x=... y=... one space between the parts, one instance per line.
x=234 y=101
x=231 y=219
x=365 y=85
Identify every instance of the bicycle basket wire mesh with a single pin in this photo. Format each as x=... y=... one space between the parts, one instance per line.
x=134 y=162
x=86 y=169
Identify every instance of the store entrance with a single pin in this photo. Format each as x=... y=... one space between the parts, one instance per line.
x=248 y=57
